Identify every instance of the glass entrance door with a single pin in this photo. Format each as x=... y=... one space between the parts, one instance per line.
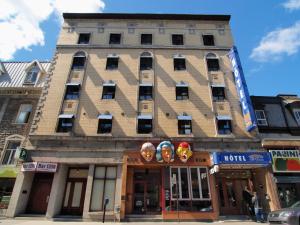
x=146 y=198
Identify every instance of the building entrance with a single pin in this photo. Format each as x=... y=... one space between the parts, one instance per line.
x=147 y=189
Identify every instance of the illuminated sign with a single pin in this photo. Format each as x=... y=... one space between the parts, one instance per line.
x=241 y=86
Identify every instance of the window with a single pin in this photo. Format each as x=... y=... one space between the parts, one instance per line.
x=112 y=63
x=146 y=39
x=72 y=91
x=145 y=92
x=224 y=126
x=32 y=75
x=9 y=153
x=146 y=61
x=115 y=39
x=182 y=92
x=78 y=61
x=65 y=123
x=24 y=113
x=109 y=91
x=84 y=38
x=144 y=124
x=208 y=40
x=104 y=124
x=184 y=126
x=297 y=115
x=179 y=63
x=177 y=39
x=212 y=62
x=192 y=183
x=261 y=118
x=104 y=186
x=218 y=93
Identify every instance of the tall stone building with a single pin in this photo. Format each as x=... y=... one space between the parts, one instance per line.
x=141 y=114
x=20 y=88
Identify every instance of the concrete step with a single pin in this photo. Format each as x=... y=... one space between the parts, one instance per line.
x=234 y=218
x=143 y=218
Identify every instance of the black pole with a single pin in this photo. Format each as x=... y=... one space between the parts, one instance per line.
x=177 y=195
x=104 y=209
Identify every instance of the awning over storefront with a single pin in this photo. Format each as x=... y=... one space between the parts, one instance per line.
x=8 y=172
x=242 y=158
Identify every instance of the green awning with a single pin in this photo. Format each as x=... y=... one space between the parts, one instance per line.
x=8 y=172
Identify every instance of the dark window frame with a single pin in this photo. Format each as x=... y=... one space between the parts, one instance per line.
x=224 y=127
x=179 y=64
x=146 y=63
x=72 y=94
x=213 y=64
x=182 y=126
x=62 y=126
x=112 y=63
x=145 y=93
x=180 y=90
x=177 y=39
x=104 y=126
x=218 y=94
x=208 y=40
x=78 y=62
x=108 y=92
x=142 y=128
x=146 y=40
x=115 y=38
x=84 y=38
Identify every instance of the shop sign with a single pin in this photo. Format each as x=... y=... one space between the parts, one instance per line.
x=39 y=166
x=255 y=158
x=242 y=89
x=286 y=160
x=21 y=154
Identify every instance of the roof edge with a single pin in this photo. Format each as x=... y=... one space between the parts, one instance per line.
x=152 y=16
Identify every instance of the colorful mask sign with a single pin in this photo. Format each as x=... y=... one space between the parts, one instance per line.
x=147 y=151
x=184 y=151
x=165 y=152
x=286 y=160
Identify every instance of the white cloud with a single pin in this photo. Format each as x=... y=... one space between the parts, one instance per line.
x=292 y=4
x=20 y=21
x=277 y=43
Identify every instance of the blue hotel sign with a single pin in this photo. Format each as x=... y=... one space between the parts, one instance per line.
x=252 y=158
x=248 y=112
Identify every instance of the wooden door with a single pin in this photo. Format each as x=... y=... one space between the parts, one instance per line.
x=74 y=196
x=40 y=193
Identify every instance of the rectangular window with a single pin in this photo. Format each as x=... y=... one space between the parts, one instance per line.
x=261 y=118
x=24 y=113
x=115 y=39
x=104 y=126
x=182 y=93
x=213 y=64
x=146 y=39
x=224 y=126
x=297 y=115
x=177 y=39
x=108 y=92
x=192 y=183
x=112 y=63
x=218 y=93
x=72 y=92
x=9 y=152
x=146 y=63
x=32 y=75
x=104 y=186
x=65 y=125
x=144 y=126
x=184 y=126
x=78 y=63
x=179 y=64
x=145 y=93
x=84 y=38
x=208 y=40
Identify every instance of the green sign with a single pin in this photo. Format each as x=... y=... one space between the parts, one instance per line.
x=23 y=154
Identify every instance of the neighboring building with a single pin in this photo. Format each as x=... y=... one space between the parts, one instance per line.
x=278 y=119
x=20 y=88
x=125 y=82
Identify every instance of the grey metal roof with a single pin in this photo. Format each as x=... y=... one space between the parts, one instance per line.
x=16 y=74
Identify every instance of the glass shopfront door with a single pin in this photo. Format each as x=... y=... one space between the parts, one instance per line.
x=146 y=199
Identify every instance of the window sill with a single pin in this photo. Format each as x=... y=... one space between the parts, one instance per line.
x=186 y=135
x=225 y=135
x=20 y=124
x=104 y=135
x=145 y=135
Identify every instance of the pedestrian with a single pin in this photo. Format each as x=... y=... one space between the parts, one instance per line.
x=257 y=207
x=247 y=199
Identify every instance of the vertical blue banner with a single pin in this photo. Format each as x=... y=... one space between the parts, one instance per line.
x=241 y=86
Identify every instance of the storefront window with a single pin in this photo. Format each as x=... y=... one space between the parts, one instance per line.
x=191 y=185
x=6 y=188
x=104 y=186
x=288 y=194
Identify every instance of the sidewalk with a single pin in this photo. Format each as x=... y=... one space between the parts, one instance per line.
x=48 y=222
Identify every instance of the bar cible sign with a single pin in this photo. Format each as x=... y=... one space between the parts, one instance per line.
x=286 y=160
x=39 y=166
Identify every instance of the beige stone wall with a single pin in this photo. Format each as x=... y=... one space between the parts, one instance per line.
x=124 y=107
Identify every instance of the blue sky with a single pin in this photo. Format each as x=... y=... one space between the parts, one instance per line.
x=266 y=32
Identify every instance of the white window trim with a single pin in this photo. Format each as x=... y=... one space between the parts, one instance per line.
x=189 y=183
x=16 y=122
x=264 y=120
x=11 y=138
x=37 y=76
